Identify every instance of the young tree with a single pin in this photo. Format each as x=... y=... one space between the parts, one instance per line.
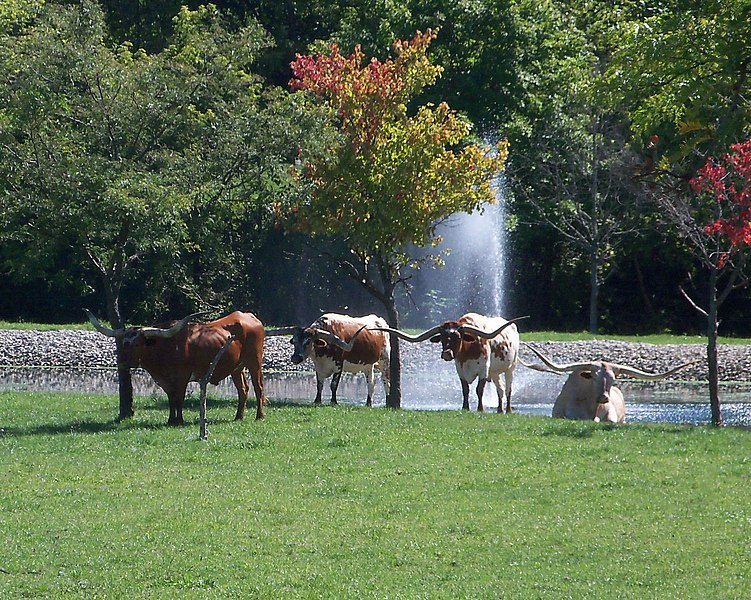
x=685 y=106
x=395 y=175
x=717 y=220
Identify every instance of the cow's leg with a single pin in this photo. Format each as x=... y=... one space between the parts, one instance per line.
x=370 y=378
x=500 y=391
x=480 y=390
x=335 y=382
x=242 y=387
x=176 y=399
x=256 y=378
x=509 y=376
x=319 y=388
x=465 y=394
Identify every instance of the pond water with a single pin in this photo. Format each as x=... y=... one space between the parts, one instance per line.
x=533 y=392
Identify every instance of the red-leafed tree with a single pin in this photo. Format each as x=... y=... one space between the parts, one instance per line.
x=396 y=173
x=723 y=191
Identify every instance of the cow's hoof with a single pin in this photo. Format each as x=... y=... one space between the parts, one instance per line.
x=334 y=402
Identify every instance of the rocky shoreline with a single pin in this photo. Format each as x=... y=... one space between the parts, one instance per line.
x=88 y=349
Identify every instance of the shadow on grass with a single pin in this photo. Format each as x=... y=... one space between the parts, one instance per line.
x=220 y=410
x=586 y=429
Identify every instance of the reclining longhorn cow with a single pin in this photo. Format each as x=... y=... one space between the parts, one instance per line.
x=324 y=343
x=589 y=392
x=481 y=347
x=177 y=353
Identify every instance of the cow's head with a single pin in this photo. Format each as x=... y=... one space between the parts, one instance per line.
x=602 y=377
x=302 y=344
x=451 y=335
x=136 y=341
x=314 y=340
x=601 y=374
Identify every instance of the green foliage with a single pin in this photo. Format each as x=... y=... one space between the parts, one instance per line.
x=396 y=175
x=158 y=165
x=691 y=100
x=366 y=504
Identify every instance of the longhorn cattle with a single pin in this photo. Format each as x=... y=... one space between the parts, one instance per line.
x=340 y=343
x=589 y=392
x=483 y=348
x=178 y=352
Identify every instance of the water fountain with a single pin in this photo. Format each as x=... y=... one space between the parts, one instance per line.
x=473 y=277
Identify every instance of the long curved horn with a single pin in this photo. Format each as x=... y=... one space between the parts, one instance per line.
x=336 y=340
x=639 y=374
x=410 y=338
x=152 y=332
x=101 y=328
x=536 y=367
x=490 y=335
x=556 y=367
x=281 y=331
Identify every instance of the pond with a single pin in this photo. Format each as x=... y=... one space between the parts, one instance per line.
x=439 y=389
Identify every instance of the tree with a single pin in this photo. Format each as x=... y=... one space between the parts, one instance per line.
x=717 y=220
x=685 y=106
x=117 y=157
x=395 y=176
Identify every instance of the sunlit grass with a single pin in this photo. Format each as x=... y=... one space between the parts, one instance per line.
x=530 y=336
x=349 y=502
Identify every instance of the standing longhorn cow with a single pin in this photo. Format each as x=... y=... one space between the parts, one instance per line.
x=589 y=392
x=324 y=343
x=481 y=347
x=176 y=353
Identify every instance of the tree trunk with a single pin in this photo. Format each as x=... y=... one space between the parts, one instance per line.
x=394 y=398
x=712 y=362
x=124 y=380
x=594 y=293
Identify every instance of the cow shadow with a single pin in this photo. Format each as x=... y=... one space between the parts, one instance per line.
x=220 y=410
x=587 y=429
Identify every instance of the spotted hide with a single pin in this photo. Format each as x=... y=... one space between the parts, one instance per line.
x=340 y=343
x=482 y=348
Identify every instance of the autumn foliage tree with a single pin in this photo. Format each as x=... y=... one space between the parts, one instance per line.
x=723 y=189
x=396 y=174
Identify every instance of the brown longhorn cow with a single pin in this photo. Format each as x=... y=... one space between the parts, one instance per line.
x=589 y=392
x=340 y=343
x=483 y=348
x=178 y=352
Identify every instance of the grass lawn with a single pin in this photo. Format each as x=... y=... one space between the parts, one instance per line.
x=346 y=502
x=527 y=336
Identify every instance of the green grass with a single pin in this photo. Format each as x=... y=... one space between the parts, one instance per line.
x=657 y=338
x=347 y=502
x=23 y=325
x=528 y=336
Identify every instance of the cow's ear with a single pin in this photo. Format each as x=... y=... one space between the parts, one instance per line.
x=467 y=337
x=586 y=374
x=150 y=341
x=436 y=338
x=319 y=343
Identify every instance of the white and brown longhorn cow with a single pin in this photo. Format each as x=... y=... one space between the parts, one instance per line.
x=340 y=343
x=483 y=348
x=589 y=392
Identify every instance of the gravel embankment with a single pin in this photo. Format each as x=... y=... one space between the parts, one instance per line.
x=90 y=349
